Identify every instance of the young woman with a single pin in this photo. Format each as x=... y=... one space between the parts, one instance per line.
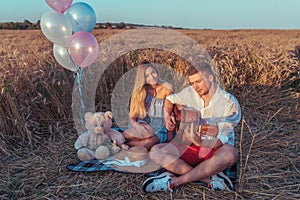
x=147 y=108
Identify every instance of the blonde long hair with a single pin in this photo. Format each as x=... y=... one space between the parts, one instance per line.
x=137 y=101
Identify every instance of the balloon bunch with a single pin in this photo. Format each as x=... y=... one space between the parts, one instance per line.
x=68 y=26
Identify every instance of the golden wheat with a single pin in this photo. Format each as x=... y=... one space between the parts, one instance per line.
x=260 y=67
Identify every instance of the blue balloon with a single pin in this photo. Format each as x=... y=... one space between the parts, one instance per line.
x=82 y=17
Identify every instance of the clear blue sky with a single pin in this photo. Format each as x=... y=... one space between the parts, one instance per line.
x=215 y=14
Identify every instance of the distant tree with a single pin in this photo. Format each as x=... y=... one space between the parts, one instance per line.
x=21 y=26
x=108 y=25
x=121 y=25
x=97 y=26
x=102 y=25
x=8 y=25
x=37 y=25
x=27 y=22
x=129 y=26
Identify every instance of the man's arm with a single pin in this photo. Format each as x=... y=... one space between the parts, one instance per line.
x=169 y=118
x=231 y=118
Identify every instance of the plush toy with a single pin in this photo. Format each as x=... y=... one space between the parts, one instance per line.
x=100 y=140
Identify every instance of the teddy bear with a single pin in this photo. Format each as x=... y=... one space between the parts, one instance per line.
x=100 y=140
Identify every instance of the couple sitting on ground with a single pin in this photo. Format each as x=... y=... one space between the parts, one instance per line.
x=209 y=145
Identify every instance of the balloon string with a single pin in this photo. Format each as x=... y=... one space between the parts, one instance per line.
x=78 y=76
x=82 y=107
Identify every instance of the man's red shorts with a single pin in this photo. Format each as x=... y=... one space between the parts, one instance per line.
x=193 y=155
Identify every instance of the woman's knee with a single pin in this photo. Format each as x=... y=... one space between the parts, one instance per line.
x=128 y=136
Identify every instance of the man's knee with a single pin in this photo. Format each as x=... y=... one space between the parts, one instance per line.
x=229 y=154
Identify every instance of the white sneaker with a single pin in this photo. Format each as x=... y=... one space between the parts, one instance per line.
x=158 y=183
x=220 y=182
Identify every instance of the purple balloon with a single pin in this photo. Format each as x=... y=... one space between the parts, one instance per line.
x=83 y=48
x=59 y=5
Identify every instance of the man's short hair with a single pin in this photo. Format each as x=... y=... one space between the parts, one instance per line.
x=203 y=67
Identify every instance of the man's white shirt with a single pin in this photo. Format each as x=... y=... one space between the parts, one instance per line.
x=223 y=110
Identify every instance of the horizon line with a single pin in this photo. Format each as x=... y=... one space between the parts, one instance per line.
x=165 y=26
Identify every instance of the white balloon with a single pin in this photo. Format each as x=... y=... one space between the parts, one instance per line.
x=57 y=28
x=63 y=57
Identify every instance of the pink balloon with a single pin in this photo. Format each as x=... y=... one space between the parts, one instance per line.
x=83 y=48
x=59 y=5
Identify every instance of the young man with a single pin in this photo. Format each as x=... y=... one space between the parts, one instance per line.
x=194 y=161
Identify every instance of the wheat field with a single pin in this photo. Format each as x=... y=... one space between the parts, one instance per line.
x=260 y=67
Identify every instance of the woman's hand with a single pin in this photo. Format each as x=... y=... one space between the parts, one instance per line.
x=138 y=131
x=143 y=130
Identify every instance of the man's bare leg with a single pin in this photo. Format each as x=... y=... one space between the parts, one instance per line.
x=225 y=156
x=171 y=160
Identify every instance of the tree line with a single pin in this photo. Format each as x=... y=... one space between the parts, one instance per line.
x=26 y=25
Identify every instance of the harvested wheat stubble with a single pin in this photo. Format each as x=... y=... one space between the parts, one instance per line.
x=260 y=67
